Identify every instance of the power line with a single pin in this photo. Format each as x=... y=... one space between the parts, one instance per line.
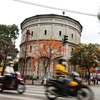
x=31 y=3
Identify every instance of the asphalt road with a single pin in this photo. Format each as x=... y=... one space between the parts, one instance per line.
x=34 y=92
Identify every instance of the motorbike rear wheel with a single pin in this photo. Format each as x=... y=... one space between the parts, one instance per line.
x=21 y=88
x=50 y=92
x=85 y=93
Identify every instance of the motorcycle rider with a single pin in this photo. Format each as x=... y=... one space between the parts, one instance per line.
x=8 y=72
x=60 y=68
x=61 y=73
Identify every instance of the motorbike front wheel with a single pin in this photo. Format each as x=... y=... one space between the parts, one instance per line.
x=21 y=88
x=50 y=92
x=85 y=93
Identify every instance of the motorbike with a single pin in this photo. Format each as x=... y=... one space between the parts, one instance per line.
x=18 y=84
x=74 y=88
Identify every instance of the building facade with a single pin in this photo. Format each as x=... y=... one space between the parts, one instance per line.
x=44 y=27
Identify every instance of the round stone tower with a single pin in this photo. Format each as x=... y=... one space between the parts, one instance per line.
x=44 y=27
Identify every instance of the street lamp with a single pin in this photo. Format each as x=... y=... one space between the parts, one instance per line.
x=25 y=55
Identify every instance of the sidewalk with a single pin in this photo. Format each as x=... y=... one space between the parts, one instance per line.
x=37 y=82
x=86 y=83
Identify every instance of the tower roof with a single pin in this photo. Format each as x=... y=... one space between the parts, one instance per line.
x=51 y=16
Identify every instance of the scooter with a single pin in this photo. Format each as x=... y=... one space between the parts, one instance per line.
x=74 y=88
x=18 y=84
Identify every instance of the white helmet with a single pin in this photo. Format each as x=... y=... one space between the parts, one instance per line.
x=11 y=62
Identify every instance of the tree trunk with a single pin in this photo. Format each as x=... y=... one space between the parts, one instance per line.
x=4 y=66
x=88 y=77
x=45 y=70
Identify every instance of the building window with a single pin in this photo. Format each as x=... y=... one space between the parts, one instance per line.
x=59 y=33
x=72 y=35
x=45 y=32
x=32 y=33
x=30 y=48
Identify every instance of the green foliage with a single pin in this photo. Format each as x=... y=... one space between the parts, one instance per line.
x=8 y=35
x=10 y=31
x=86 y=55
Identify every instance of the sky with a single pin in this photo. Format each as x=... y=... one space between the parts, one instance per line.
x=13 y=12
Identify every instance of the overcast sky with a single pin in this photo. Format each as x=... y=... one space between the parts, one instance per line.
x=12 y=12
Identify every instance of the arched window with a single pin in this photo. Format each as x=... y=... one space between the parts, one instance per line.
x=30 y=48
x=32 y=33
x=59 y=33
x=45 y=32
x=72 y=35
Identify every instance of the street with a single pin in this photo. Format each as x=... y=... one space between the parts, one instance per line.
x=35 y=92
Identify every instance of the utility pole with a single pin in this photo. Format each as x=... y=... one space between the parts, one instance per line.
x=25 y=54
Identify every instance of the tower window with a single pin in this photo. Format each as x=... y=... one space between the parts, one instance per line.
x=32 y=33
x=59 y=33
x=30 y=48
x=72 y=35
x=45 y=32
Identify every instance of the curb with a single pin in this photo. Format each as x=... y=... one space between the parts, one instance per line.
x=29 y=82
x=86 y=83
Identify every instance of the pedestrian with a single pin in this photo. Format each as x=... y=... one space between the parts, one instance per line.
x=33 y=78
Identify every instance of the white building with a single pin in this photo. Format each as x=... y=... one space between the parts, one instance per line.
x=44 y=27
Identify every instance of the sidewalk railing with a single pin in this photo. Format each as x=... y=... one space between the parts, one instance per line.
x=37 y=82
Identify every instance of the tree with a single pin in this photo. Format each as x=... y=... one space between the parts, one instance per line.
x=8 y=35
x=98 y=55
x=46 y=51
x=86 y=56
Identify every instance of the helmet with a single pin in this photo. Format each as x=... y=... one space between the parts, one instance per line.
x=61 y=59
x=10 y=62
